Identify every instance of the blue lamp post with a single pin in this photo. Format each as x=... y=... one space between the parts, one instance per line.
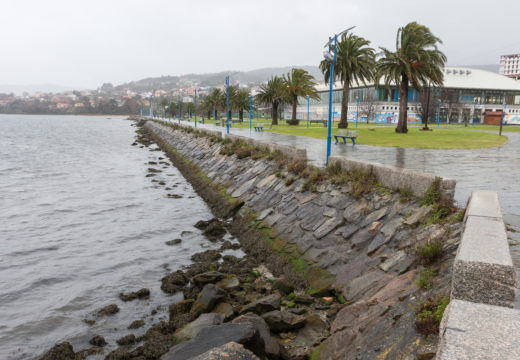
x=195 y=107
x=227 y=104
x=151 y=103
x=503 y=116
x=307 y=111
x=331 y=59
x=439 y=114
x=179 y=98
x=357 y=109
x=250 y=114
x=474 y=106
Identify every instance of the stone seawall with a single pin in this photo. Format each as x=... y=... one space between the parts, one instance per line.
x=367 y=244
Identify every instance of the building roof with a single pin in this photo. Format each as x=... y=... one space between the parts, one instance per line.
x=460 y=78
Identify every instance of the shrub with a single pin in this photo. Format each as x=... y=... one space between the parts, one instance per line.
x=243 y=151
x=289 y=181
x=334 y=169
x=292 y=122
x=430 y=251
x=314 y=177
x=406 y=194
x=429 y=314
x=362 y=182
x=425 y=275
x=297 y=166
x=433 y=193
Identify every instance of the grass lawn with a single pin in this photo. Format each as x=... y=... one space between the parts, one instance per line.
x=445 y=137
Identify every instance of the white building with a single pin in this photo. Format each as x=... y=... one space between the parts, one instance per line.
x=510 y=66
x=467 y=94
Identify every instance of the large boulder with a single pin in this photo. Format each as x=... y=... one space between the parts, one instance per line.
x=263 y=305
x=208 y=277
x=307 y=338
x=207 y=299
x=193 y=328
x=174 y=282
x=283 y=321
x=215 y=336
x=272 y=348
x=63 y=351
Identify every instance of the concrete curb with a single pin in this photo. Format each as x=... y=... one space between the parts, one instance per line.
x=398 y=178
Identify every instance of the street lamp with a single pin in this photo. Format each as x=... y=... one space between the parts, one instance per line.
x=357 y=109
x=331 y=58
x=250 y=114
x=151 y=108
x=474 y=106
x=195 y=107
x=227 y=104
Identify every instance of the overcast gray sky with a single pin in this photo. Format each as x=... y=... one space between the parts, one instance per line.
x=85 y=43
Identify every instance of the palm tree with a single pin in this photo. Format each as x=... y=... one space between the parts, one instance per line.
x=241 y=102
x=417 y=60
x=355 y=61
x=299 y=83
x=273 y=93
x=214 y=102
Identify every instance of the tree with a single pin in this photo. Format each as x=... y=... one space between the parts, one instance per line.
x=241 y=103
x=369 y=105
x=299 y=82
x=355 y=61
x=417 y=60
x=273 y=93
x=429 y=99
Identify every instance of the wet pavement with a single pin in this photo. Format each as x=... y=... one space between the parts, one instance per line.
x=496 y=169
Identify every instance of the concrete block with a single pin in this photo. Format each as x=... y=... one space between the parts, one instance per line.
x=479 y=332
x=398 y=178
x=483 y=271
x=483 y=203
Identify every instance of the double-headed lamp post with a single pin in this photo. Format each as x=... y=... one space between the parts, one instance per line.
x=331 y=58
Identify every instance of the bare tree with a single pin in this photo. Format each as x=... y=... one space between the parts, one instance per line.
x=369 y=105
x=428 y=99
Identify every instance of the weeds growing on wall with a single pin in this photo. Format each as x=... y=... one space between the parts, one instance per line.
x=430 y=251
x=429 y=314
x=441 y=208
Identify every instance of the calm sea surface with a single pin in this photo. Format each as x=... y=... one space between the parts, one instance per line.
x=79 y=223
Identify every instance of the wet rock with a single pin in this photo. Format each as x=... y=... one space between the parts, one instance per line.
x=207 y=256
x=136 y=324
x=224 y=309
x=208 y=277
x=229 y=283
x=213 y=229
x=193 y=328
x=207 y=299
x=173 y=282
x=126 y=340
x=97 y=340
x=152 y=170
x=298 y=311
x=175 y=196
x=229 y=351
x=173 y=242
x=228 y=245
x=143 y=293
x=283 y=321
x=62 y=351
x=283 y=285
x=303 y=298
x=108 y=310
x=180 y=308
x=263 y=305
x=271 y=346
x=215 y=336
x=119 y=354
x=152 y=163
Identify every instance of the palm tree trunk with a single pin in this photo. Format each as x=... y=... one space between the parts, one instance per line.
x=343 y=123
x=402 y=124
x=241 y=115
x=294 y=105
x=275 y=113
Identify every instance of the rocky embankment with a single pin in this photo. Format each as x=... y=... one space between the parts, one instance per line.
x=336 y=266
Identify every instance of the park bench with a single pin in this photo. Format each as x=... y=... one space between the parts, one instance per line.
x=259 y=128
x=346 y=134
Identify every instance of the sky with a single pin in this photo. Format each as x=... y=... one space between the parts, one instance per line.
x=84 y=43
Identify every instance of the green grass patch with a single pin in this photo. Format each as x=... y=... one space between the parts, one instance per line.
x=429 y=314
x=430 y=251
x=424 y=278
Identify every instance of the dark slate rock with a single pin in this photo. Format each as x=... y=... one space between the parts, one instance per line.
x=263 y=305
x=229 y=351
x=208 y=298
x=283 y=321
x=215 y=336
x=272 y=349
